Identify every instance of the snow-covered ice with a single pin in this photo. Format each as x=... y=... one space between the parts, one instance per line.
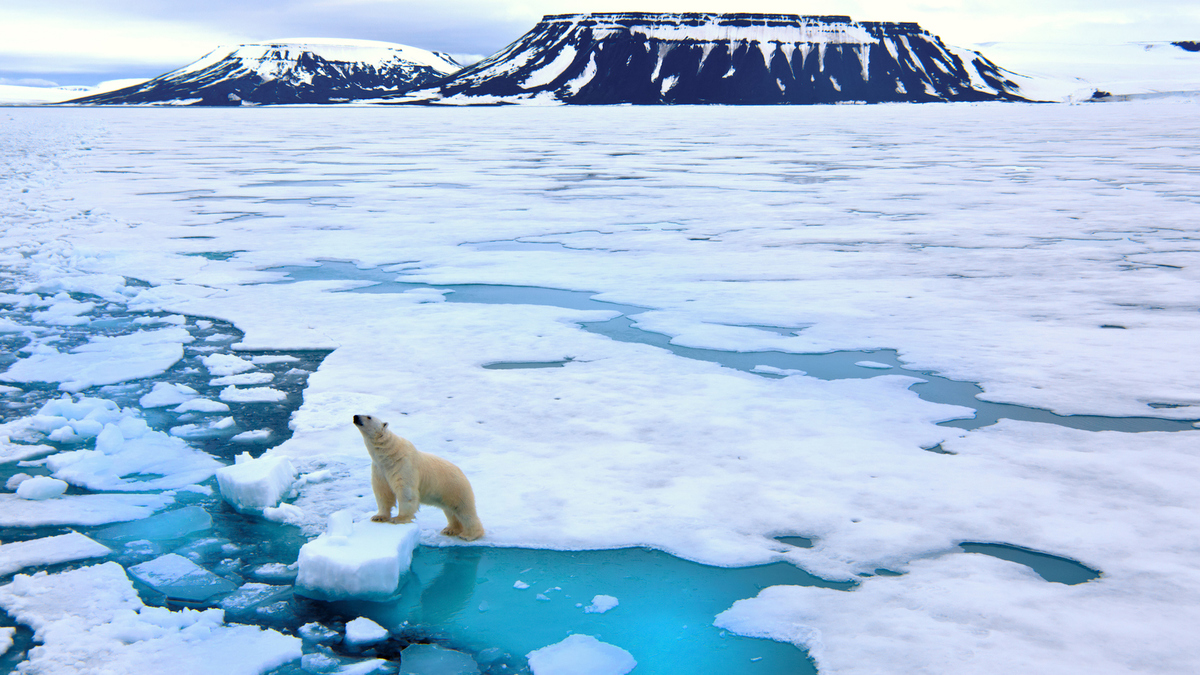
x=362 y=632
x=251 y=485
x=93 y=616
x=601 y=604
x=356 y=559
x=1045 y=252
x=48 y=551
x=581 y=655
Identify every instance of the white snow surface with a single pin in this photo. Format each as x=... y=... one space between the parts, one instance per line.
x=989 y=243
x=41 y=487
x=90 y=620
x=103 y=360
x=48 y=551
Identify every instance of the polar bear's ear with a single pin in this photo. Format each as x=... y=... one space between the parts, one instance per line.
x=384 y=426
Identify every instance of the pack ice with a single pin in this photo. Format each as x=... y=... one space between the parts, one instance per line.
x=356 y=559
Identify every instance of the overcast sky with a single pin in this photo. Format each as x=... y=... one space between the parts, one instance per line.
x=85 y=41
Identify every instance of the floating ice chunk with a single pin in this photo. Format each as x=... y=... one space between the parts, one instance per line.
x=177 y=577
x=48 y=551
x=169 y=525
x=252 y=395
x=251 y=485
x=63 y=310
x=204 y=405
x=127 y=448
x=244 y=378
x=435 y=660
x=367 y=562
x=520 y=585
x=93 y=616
x=363 y=631
x=104 y=360
x=15 y=452
x=601 y=604
x=265 y=359
x=289 y=514
x=872 y=364
x=6 y=638
x=15 y=480
x=78 y=509
x=275 y=571
x=9 y=390
x=581 y=655
x=41 y=487
x=215 y=429
x=365 y=667
x=252 y=595
x=256 y=436
x=166 y=393
x=225 y=364
x=318 y=662
x=315 y=632
x=772 y=370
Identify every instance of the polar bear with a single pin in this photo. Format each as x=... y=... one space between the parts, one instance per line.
x=401 y=473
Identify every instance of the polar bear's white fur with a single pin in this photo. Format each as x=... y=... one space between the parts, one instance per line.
x=403 y=475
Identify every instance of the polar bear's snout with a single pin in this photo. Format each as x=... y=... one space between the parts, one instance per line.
x=369 y=425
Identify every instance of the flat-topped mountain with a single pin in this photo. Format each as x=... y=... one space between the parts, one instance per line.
x=649 y=58
x=308 y=70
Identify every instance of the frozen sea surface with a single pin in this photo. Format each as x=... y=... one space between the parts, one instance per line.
x=1038 y=257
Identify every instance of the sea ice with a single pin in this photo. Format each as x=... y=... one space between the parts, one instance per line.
x=225 y=364
x=170 y=525
x=93 y=616
x=363 y=632
x=252 y=394
x=6 y=638
x=78 y=509
x=581 y=655
x=104 y=360
x=41 y=487
x=364 y=560
x=421 y=659
x=167 y=393
x=15 y=480
x=251 y=485
x=49 y=551
x=177 y=577
x=601 y=604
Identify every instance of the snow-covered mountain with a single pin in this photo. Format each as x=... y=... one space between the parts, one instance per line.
x=305 y=70
x=648 y=58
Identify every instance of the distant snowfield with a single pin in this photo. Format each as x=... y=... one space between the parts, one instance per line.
x=1049 y=253
x=1062 y=72
x=12 y=94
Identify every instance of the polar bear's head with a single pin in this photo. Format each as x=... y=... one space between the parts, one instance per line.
x=370 y=427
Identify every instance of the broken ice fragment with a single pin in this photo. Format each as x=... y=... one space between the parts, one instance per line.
x=252 y=485
x=179 y=578
x=601 y=604
x=362 y=632
x=41 y=487
x=48 y=551
x=368 y=562
x=581 y=655
x=435 y=660
x=169 y=525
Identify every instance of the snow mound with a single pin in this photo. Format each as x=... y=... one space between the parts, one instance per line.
x=363 y=631
x=41 y=487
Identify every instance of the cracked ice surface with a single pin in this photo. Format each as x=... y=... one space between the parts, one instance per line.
x=1047 y=252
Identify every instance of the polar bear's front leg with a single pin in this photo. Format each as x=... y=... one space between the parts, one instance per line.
x=408 y=504
x=384 y=497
